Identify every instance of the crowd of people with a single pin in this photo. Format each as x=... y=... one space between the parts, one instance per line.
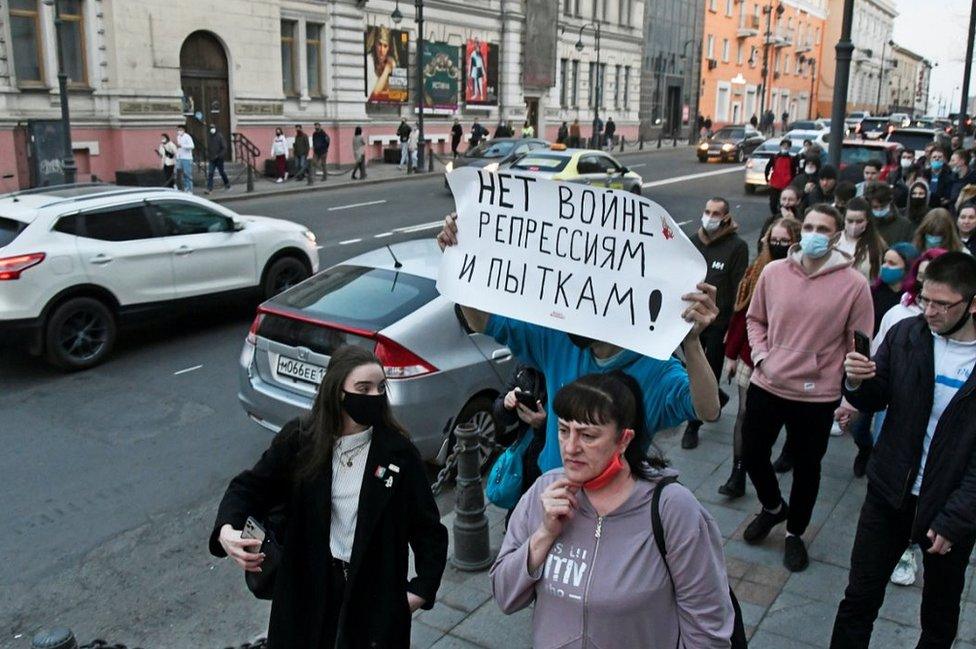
x=856 y=313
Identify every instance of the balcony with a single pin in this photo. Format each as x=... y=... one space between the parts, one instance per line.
x=804 y=46
x=748 y=26
x=782 y=38
x=861 y=55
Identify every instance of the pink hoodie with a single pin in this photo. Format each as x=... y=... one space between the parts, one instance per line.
x=801 y=326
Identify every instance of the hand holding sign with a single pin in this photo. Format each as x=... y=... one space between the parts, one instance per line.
x=600 y=263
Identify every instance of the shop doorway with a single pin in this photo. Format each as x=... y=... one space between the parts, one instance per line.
x=206 y=96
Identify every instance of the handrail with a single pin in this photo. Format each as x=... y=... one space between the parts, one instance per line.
x=247 y=152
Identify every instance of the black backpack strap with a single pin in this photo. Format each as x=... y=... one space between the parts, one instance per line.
x=656 y=525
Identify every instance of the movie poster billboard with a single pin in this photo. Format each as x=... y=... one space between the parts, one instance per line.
x=385 y=57
x=442 y=75
x=480 y=72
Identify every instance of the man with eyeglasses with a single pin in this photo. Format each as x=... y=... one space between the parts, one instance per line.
x=922 y=472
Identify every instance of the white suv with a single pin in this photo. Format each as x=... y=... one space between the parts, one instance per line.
x=76 y=259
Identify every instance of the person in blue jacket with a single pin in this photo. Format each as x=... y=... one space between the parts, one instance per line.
x=672 y=393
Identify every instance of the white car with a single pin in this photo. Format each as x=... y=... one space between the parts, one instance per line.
x=77 y=259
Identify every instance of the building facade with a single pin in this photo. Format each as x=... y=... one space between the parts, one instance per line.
x=737 y=36
x=670 y=68
x=907 y=82
x=138 y=68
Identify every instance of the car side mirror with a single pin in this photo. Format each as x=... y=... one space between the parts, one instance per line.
x=236 y=226
x=623 y=170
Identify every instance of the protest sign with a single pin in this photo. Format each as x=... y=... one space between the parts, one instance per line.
x=601 y=263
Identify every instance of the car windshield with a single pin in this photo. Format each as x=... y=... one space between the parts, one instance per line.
x=492 y=149
x=9 y=229
x=773 y=147
x=915 y=141
x=542 y=162
x=874 y=123
x=358 y=296
x=854 y=154
x=805 y=126
x=730 y=134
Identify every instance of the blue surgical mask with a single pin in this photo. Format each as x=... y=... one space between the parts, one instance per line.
x=891 y=275
x=882 y=213
x=936 y=165
x=814 y=244
x=933 y=241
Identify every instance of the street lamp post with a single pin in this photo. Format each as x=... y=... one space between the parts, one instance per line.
x=813 y=83
x=843 y=49
x=70 y=168
x=598 y=76
x=968 y=68
x=881 y=71
x=396 y=16
x=768 y=10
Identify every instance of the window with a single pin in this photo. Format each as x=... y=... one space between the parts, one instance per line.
x=601 y=96
x=313 y=57
x=577 y=10
x=563 y=82
x=568 y=7
x=725 y=50
x=288 y=57
x=711 y=6
x=738 y=54
x=24 y=30
x=710 y=48
x=73 y=41
x=9 y=229
x=591 y=97
x=574 y=101
x=180 y=218
x=616 y=86
x=624 y=12
x=626 y=87
x=786 y=64
x=753 y=55
x=118 y=224
x=729 y=4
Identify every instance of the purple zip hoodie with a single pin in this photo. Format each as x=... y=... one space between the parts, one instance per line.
x=605 y=585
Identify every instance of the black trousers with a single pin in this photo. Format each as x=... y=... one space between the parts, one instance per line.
x=807 y=433
x=882 y=535
x=713 y=343
x=774 y=200
x=337 y=575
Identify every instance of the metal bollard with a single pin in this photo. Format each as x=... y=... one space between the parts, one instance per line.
x=309 y=174
x=471 y=552
x=250 y=177
x=57 y=638
x=640 y=145
x=660 y=134
x=622 y=144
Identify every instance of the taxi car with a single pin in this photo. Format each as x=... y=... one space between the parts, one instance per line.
x=586 y=166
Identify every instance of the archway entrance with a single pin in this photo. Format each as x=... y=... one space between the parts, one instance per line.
x=203 y=76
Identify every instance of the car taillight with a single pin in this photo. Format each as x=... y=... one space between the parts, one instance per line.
x=399 y=362
x=12 y=267
x=252 y=333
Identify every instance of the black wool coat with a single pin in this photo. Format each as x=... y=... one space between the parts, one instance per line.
x=374 y=611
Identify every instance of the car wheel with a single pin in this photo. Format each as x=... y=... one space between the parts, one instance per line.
x=636 y=189
x=750 y=189
x=701 y=159
x=80 y=333
x=282 y=275
x=478 y=412
x=738 y=155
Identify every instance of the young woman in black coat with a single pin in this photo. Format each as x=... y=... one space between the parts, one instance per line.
x=355 y=496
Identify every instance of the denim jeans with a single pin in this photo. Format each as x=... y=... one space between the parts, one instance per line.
x=404 y=154
x=186 y=170
x=216 y=164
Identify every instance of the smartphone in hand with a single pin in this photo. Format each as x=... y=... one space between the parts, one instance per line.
x=527 y=399
x=862 y=344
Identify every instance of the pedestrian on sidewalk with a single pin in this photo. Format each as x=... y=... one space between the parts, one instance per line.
x=279 y=151
x=216 y=151
x=528 y=130
x=801 y=322
x=403 y=134
x=457 y=132
x=726 y=258
x=672 y=392
x=780 y=172
x=355 y=494
x=784 y=121
x=167 y=155
x=922 y=476
x=478 y=132
x=412 y=150
x=580 y=543
x=359 y=154
x=320 y=149
x=300 y=147
x=738 y=366
x=562 y=135
x=184 y=158
x=608 y=132
x=574 y=133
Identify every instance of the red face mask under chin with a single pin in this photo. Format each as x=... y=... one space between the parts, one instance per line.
x=616 y=466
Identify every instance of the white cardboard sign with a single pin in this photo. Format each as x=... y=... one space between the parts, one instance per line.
x=597 y=262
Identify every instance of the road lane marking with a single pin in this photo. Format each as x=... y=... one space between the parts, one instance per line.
x=187 y=370
x=680 y=179
x=352 y=205
x=419 y=228
x=681 y=223
x=348 y=241
x=639 y=164
x=382 y=235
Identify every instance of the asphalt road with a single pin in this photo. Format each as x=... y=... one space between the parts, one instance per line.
x=111 y=476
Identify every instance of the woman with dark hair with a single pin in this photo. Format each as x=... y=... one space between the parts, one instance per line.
x=279 y=149
x=355 y=495
x=359 y=153
x=860 y=239
x=580 y=542
x=167 y=154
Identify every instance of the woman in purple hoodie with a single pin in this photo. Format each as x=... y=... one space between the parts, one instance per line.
x=580 y=542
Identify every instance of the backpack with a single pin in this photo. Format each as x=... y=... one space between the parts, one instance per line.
x=738 y=627
x=505 y=480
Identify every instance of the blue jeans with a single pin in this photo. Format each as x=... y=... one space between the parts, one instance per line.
x=404 y=154
x=216 y=165
x=186 y=170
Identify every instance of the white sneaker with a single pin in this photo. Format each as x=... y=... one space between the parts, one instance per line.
x=835 y=430
x=279 y=180
x=904 y=572
x=286 y=175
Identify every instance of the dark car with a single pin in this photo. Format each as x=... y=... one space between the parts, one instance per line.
x=809 y=125
x=730 y=143
x=493 y=153
x=874 y=128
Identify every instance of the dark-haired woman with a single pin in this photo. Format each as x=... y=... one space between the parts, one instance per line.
x=580 y=542
x=356 y=496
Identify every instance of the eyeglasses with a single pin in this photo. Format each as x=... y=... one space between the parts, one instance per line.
x=939 y=307
x=780 y=242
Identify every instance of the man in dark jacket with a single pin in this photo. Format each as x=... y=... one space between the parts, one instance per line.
x=824 y=191
x=962 y=175
x=301 y=148
x=922 y=472
x=320 y=149
x=727 y=257
x=780 y=172
x=403 y=134
x=216 y=151
x=939 y=178
x=608 y=132
x=477 y=133
x=888 y=221
x=457 y=132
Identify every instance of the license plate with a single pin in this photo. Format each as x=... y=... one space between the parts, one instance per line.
x=300 y=371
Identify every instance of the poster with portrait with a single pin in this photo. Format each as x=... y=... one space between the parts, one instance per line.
x=442 y=75
x=480 y=72
x=385 y=58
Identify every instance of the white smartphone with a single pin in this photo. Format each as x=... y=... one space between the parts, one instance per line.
x=252 y=530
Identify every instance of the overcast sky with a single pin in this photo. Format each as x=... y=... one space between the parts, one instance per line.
x=936 y=29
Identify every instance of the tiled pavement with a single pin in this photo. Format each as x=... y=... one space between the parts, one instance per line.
x=781 y=610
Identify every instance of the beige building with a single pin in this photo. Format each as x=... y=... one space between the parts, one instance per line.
x=907 y=82
x=140 y=67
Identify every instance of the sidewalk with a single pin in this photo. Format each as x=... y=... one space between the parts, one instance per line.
x=339 y=177
x=781 y=610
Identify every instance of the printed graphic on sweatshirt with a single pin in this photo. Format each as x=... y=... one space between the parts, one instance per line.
x=565 y=572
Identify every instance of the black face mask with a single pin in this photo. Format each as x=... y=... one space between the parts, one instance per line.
x=580 y=341
x=364 y=409
x=779 y=250
x=960 y=323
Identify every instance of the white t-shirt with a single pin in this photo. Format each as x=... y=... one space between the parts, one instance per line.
x=346 y=484
x=185 y=146
x=893 y=316
x=954 y=362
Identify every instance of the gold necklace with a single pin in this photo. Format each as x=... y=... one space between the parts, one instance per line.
x=346 y=457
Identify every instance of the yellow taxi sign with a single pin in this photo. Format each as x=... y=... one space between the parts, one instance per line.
x=557 y=147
